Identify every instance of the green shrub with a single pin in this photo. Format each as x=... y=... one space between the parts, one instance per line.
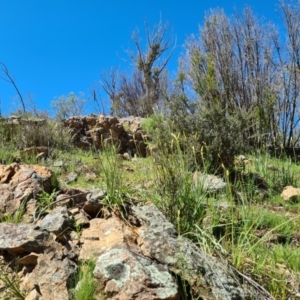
x=152 y=123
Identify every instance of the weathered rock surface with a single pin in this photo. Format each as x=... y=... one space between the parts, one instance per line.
x=22 y=238
x=131 y=122
x=127 y=275
x=157 y=240
x=50 y=277
x=20 y=182
x=103 y=235
x=94 y=202
x=57 y=221
x=96 y=131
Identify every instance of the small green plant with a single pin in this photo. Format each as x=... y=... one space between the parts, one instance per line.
x=15 y=217
x=110 y=169
x=77 y=228
x=44 y=202
x=12 y=290
x=86 y=285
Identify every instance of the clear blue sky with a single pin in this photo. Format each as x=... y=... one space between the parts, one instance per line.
x=56 y=47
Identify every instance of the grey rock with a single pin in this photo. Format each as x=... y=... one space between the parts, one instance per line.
x=58 y=163
x=126 y=275
x=21 y=238
x=94 y=201
x=51 y=276
x=157 y=240
x=71 y=177
x=57 y=221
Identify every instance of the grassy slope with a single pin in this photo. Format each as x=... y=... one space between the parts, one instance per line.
x=259 y=235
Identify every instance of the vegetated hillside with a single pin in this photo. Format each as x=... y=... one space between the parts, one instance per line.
x=106 y=223
x=186 y=203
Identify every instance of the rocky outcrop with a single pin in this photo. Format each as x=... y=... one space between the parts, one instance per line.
x=137 y=253
x=97 y=131
x=158 y=240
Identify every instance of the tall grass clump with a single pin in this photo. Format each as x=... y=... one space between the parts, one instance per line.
x=277 y=172
x=28 y=131
x=181 y=201
x=86 y=287
x=110 y=170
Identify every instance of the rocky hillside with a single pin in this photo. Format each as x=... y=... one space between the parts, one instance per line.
x=137 y=253
x=86 y=224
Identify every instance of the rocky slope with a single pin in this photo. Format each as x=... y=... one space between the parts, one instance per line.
x=137 y=253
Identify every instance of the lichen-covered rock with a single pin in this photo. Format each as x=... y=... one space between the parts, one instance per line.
x=157 y=240
x=127 y=275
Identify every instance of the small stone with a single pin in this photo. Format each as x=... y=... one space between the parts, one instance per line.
x=59 y=163
x=71 y=177
x=290 y=192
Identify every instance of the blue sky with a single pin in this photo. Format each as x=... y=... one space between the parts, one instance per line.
x=56 y=47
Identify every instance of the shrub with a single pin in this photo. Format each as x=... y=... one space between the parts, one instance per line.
x=65 y=107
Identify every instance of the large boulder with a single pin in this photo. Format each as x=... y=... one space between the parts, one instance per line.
x=158 y=240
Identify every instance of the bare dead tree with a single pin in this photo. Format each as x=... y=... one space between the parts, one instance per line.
x=9 y=78
x=288 y=55
x=142 y=91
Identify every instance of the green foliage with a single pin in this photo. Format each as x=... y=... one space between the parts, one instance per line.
x=152 y=123
x=44 y=201
x=278 y=173
x=109 y=168
x=29 y=132
x=224 y=136
x=11 y=282
x=86 y=285
x=15 y=217
x=65 y=107
x=181 y=201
